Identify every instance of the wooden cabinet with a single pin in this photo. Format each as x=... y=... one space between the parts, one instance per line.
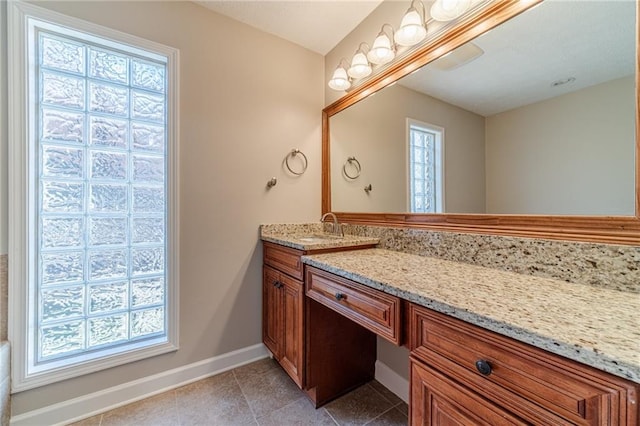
x=282 y=323
x=284 y=313
x=438 y=400
x=377 y=311
x=282 y=308
x=456 y=365
x=284 y=259
x=322 y=329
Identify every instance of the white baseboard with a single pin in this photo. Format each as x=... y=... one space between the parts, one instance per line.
x=392 y=381
x=126 y=393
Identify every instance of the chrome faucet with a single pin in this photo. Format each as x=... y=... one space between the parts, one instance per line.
x=336 y=229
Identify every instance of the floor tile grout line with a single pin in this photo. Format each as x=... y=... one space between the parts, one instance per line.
x=398 y=405
x=378 y=416
x=380 y=393
x=330 y=416
x=255 y=418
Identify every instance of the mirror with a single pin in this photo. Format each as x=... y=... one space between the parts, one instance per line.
x=531 y=124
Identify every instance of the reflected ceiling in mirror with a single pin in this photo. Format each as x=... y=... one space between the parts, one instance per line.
x=537 y=117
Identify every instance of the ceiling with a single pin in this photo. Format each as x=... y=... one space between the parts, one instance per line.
x=318 y=25
x=591 y=41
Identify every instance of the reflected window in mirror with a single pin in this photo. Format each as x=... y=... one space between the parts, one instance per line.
x=426 y=184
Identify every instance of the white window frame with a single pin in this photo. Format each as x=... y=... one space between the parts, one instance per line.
x=21 y=133
x=439 y=162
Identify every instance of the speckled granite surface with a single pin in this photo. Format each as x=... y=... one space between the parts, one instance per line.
x=310 y=236
x=593 y=325
x=600 y=265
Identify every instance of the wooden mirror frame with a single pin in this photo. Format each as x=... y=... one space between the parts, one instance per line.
x=601 y=229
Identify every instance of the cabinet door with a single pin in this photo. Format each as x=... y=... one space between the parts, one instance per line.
x=292 y=325
x=437 y=400
x=272 y=311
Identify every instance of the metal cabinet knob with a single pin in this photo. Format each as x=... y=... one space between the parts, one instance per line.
x=340 y=296
x=483 y=367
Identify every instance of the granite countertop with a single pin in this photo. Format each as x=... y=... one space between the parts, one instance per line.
x=595 y=326
x=310 y=237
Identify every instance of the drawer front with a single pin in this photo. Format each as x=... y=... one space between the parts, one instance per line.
x=437 y=400
x=284 y=259
x=543 y=384
x=373 y=309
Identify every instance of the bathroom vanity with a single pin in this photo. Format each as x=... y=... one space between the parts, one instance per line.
x=486 y=346
x=283 y=301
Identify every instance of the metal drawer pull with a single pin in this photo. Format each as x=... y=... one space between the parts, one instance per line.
x=483 y=367
x=340 y=296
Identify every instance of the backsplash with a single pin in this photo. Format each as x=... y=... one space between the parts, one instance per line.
x=602 y=265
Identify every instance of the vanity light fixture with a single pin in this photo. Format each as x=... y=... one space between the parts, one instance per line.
x=448 y=10
x=383 y=49
x=412 y=27
x=360 y=66
x=340 y=80
x=412 y=31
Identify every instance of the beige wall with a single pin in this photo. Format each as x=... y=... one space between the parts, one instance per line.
x=246 y=99
x=573 y=154
x=374 y=131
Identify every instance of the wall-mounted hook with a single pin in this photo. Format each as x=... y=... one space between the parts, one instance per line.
x=368 y=188
x=272 y=182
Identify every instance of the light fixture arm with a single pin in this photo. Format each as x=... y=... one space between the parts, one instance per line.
x=422 y=11
x=387 y=30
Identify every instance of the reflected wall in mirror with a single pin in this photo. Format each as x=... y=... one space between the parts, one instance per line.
x=537 y=117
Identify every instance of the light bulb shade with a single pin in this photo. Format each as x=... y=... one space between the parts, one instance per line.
x=412 y=30
x=339 y=80
x=360 y=67
x=382 y=50
x=448 y=10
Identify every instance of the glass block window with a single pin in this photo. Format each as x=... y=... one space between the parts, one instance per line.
x=425 y=168
x=100 y=176
x=102 y=191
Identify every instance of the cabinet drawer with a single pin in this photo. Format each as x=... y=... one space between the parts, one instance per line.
x=285 y=259
x=371 y=308
x=437 y=400
x=541 y=387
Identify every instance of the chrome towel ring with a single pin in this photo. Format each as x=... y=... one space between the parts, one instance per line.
x=352 y=161
x=294 y=152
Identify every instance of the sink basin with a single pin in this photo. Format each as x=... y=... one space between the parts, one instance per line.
x=318 y=238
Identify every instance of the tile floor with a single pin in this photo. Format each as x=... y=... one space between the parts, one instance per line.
x=259 y=393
